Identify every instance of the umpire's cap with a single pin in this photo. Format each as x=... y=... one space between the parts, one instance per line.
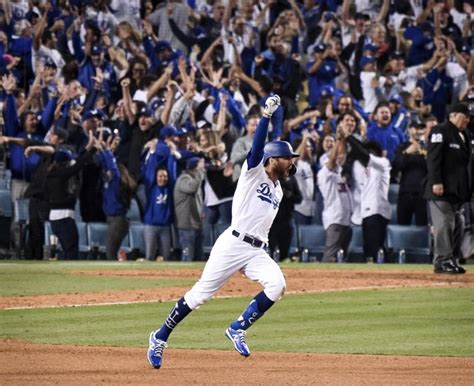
x=459 y=107
x=277 y=149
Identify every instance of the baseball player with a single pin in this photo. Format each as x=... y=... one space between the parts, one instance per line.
x=242 y=246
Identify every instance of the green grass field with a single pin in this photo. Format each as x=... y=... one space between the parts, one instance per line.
x=18 y=279
x=416 y=321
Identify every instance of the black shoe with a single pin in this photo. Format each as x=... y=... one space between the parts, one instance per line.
x=448 y=268
x=459 y=270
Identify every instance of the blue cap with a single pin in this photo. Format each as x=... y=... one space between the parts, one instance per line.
x=192 y=162
x=162 y=45
x=320 y=48
x=48 y=62
x=63 y=155
x=168 y=131
x=96 y=49
x=396 y=99
x=182 y=132
x=95 y=113
x=366 y=60
x=146 y=111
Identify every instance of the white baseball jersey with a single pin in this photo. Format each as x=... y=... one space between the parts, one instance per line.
x=256 y=202
x=305 y=179
x=337 y=197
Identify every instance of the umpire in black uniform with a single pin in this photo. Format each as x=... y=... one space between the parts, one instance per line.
x=449 y=186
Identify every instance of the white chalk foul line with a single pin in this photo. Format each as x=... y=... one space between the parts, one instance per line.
x=299 y=292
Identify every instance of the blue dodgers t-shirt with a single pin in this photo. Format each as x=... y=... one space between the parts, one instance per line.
x=324 y=76
x=159 y=209
x=422 y=46
x=388 y=137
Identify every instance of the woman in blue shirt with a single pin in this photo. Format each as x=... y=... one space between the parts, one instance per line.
x=158 y=217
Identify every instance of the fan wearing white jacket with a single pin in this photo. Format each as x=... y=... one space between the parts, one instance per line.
x=337 y=203
x=304 y=211
x=374 y=181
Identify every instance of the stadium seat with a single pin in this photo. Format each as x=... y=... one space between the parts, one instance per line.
x=294 y=245
x=312 y=237
x=5 y=179
x=77 y=211
x=83 y=239
x=97 y=237
x=47 y=233
x=96 y=234
x=415 y=240
x=84 y=246
x=5 y=218
x=393 y=214
x=356 y=246
x=5 y=203
x=133 y=213
x=49 y=240
x=136 y=239
x=125 y=245
x=393 y=193
x=22 y=213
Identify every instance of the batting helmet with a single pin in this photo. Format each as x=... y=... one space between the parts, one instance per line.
x=278 y=149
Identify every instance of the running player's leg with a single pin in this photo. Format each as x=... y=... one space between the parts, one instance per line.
x=262 y=269
x=226 y=258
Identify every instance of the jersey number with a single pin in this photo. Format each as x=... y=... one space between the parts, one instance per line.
x=437 y=138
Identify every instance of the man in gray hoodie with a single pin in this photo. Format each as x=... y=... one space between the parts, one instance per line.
x=188 y=207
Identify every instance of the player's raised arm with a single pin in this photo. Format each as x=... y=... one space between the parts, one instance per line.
x=256 y=152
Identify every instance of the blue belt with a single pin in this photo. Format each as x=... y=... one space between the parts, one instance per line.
x=250 y=240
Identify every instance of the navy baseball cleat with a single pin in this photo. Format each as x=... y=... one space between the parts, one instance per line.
x=155 y=350
x=237 y=337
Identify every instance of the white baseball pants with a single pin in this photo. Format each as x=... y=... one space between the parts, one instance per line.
x=228 y=256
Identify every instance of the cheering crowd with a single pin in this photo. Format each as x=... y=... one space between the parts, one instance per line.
x=108 y=101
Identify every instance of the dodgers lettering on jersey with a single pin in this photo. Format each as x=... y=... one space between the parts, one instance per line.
x=256 y=202
x=264 y=193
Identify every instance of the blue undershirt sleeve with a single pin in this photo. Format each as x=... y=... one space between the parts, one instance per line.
x=256 y=152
